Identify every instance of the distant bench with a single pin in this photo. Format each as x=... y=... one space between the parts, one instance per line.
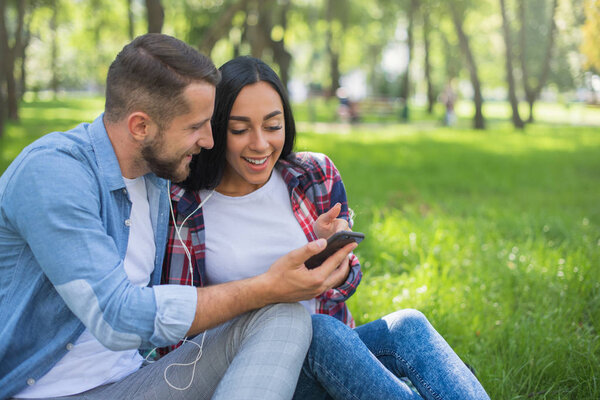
x=380 y=107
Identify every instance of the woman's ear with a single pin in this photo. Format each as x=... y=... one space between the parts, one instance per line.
x=140 y=126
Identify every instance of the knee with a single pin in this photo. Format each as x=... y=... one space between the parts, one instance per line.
x=292 y=317
x=407 y=322
x=328 y=332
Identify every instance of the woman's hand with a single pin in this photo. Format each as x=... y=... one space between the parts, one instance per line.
x=327 y=224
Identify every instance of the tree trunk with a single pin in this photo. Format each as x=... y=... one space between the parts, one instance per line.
x=512 y=95
x=130 y=20
x=332 y=51
x=532 y=93
x=478 y=119
x=22 y=56
x=426 y=42
x=3 y=51
x=12 y=95
x=54 y=51
x=405 y=86
x=282 y=57
x=156 y=16
x=259 y=35
x=221 y=26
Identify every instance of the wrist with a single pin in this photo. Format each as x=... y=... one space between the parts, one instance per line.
x=263 y=290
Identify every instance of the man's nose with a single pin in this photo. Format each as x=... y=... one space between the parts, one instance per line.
x=206 y=140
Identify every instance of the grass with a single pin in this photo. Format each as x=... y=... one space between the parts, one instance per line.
x=494 y=235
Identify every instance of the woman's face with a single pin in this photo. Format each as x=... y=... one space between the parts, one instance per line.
x=255 y=138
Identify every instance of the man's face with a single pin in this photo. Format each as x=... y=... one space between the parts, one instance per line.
x=169 y=151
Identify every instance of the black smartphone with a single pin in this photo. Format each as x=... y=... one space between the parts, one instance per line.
x=334 y=243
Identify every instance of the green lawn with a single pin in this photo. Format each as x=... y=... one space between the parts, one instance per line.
x=494 y=235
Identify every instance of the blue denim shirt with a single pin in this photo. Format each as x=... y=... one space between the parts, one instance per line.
x=64 y=227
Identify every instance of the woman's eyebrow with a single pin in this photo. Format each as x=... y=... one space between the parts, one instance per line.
x=271 y=115
x=236 y=118
x=247 y=119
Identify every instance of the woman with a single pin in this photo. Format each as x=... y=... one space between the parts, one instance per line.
x=259 y=201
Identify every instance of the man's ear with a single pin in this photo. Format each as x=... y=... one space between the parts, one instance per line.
x=140 y=126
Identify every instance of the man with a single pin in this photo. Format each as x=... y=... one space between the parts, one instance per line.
x=83 y=219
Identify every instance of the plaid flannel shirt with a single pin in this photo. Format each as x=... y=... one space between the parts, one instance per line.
x=314 y=185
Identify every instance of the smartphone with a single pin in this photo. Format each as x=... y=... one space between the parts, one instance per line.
x=334 y=243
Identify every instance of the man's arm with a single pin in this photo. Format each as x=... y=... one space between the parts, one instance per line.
x=53 y=202
x=288 y=280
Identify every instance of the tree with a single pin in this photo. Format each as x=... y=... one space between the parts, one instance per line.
x=591 y=34
x=11 y=56
x=426 y=60
x=3 y=51
x=221 y=25
x=54 y=82
x=130 y=20
x=406 y=83
x=264 y=18
x=512 y=96
x=156 y=16
x=333 y=46
x=533 y=84
x=457 y=19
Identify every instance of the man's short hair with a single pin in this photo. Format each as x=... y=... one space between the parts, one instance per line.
x=150 y=75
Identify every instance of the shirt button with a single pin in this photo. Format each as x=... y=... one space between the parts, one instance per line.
x=124 y=191
x=69 y=346
x=30 y=381
x=127 y=222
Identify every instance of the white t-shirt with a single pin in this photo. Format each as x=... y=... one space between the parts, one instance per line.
x=89 y=364
x=246 y=234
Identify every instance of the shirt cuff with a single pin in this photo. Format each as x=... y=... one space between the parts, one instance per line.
x=175 y=312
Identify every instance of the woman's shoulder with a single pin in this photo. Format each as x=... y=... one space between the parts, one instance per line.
x=310 y=161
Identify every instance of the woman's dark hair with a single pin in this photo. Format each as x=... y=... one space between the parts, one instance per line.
x=207 y=167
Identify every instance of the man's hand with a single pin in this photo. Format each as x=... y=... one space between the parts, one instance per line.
x=288 y=280
x=328 y=223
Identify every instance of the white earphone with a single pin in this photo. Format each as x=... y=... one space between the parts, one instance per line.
x=191 y=270
x=178 y=230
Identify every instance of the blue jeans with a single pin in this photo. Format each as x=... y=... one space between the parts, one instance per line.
x=367 y=362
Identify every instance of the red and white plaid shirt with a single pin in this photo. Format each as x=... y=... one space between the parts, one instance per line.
x=314 y=185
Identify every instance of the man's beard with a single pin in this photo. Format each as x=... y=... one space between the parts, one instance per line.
x=172 y=169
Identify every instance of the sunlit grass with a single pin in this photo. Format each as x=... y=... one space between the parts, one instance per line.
x=41 y=117
x=494 y=235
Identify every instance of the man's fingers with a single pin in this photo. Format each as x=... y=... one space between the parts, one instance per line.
x=336 y=259
x=298 y=256
x=338 y=277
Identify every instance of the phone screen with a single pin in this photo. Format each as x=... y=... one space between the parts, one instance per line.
x=334 y=243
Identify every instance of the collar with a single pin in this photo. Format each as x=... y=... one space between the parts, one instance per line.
x=185 y=202
x=105 y=154
x=107 y=159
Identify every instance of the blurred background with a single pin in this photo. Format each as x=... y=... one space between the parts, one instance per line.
x=467 y=133
x=389 y=56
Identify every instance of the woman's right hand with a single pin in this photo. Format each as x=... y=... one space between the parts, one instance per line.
x=328 y=223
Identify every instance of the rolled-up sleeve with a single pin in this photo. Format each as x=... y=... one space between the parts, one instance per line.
x=175 y=312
